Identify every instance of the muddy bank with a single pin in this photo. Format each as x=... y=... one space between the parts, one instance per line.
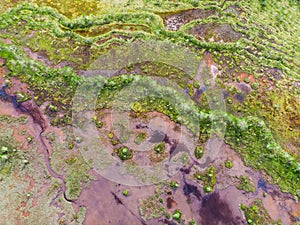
x=174 y=21
x=40 y=124
x=215 y=32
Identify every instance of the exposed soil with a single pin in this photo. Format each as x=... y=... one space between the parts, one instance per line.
x=106 y=204
x=103 y=197
x=215 y=33
x=173 y=22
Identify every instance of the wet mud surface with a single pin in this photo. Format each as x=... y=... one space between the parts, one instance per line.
x=106 y=204
x=57 y=178
x=112 y=207
x=215 y=211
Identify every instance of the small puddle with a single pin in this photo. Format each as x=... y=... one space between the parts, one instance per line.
x=191 y=189
x=157 y=136
x=262 y=184
x=215 y=211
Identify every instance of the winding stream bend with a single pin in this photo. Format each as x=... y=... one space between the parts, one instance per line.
x=31 y=109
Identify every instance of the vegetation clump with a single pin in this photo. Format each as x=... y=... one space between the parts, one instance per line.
x=76 y=176
x=257 y=214
x=124 y=153
x=140 y=138
x=159 y=148
x=177 y=215
x=228 y=164
x=199 y=152
x=126 y=192
x=208 y=179
x=5 y=154
x=98 y=123
x=111 y=135
x=151 y=207
x=245 y=183
x=174 y=184
x=9 y=156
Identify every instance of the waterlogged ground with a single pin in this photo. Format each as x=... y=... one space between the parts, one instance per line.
x=149 y=112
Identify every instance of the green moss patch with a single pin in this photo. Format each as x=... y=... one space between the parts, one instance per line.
x=257 y=214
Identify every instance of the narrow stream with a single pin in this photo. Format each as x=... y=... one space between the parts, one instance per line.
x=31 y=109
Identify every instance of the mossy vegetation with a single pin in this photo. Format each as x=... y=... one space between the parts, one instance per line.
x=242 y=139
x=140 y=138
x=126 y=192
x=257 y=214
x=245 y=183
x=7 y=155
x=228 y=164
x=177 y=215
x=77 y=177
x=199 y=152
x=24 y=176
x=281 y=111
x=151 y=207
x=208 y=179
x=254 y=141
x=66 y=159
x=12 y=158
x=267 y=40
x=159 y=148
x=124 y=153
x=174 y=184
x=14 y=121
